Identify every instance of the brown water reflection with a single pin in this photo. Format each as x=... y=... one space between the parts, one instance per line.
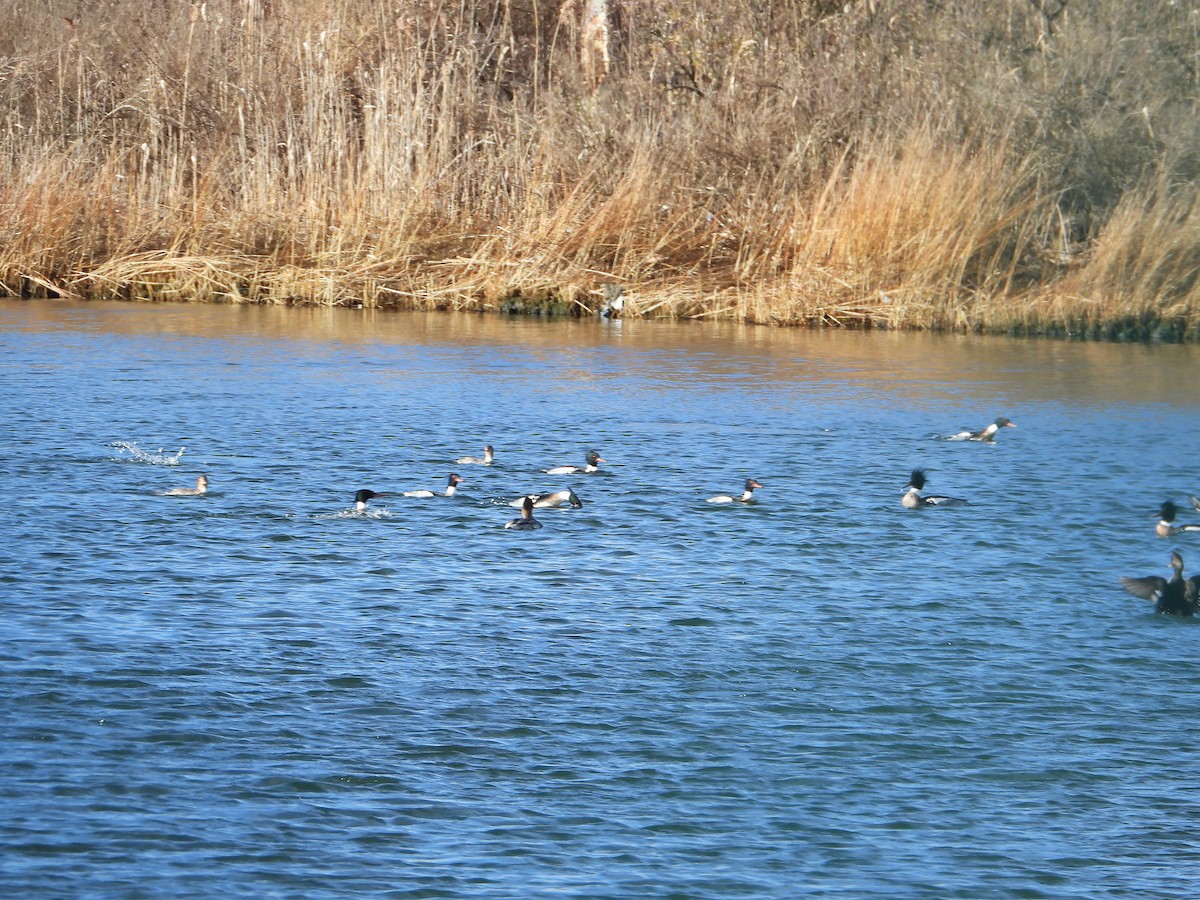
x=906 y=364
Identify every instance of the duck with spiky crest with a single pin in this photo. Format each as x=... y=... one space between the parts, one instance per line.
x=551 y=500
x=912 y=498
x=746 y=496
x=592 y=464
x=452 y=484
x=1166 y=526
x=987 y=435
x=1177 y=597
x=489 y=454
x=200 y=488
x=526 y=522
x=362 y=497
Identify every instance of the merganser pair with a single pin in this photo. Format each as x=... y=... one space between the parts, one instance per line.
x=984 y=434
x=1166 y=526
x=593 y=465
x=1177 y=597
x=747 y=496
x=452 y=484
x=527 y=522
x=550 y=500
x=912 y=498
x=200 y=488
x=489 y=454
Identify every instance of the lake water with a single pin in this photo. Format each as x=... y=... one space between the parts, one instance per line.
x=260 y=693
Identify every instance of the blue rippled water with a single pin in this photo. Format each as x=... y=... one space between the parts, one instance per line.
x=259 y=693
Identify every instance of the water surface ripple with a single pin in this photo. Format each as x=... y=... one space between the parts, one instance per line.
x=260 y=693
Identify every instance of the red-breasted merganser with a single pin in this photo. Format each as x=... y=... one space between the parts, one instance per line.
x=527 y=522
x=1177 y=597
x=200 y=488
x=747 y=496
x=452 y=484
x=486 y=460
x=913 y=500
x=551 y=500
x=986 y=434
x=1166 y=526
x=593 y=461
x=361 y=498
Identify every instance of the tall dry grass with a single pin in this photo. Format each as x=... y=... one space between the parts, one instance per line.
x=1013 y=166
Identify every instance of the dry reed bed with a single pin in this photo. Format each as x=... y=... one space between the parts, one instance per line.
x=884 y=164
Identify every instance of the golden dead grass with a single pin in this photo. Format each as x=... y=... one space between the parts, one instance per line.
x=881 y=164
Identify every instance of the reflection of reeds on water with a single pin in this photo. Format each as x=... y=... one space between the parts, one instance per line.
x=807 y=168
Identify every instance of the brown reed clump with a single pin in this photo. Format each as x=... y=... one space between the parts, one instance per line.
x=1022 y=166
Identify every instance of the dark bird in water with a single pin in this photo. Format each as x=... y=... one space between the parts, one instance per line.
x=1166 y=526
x=746 y=496
x=361 y=498
x=984 y=434
x=527 y=522
x=913 y=500
x=1178 y=597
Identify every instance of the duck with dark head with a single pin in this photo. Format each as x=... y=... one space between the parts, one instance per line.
x=1178 y=596
x=987 y=435
x=912 y=498
x=527 y=522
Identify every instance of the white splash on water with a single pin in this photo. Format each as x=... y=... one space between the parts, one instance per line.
x=373 y=513
x=154 y=458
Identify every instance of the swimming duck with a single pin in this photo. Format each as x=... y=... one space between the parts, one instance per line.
x=486 y=460
x=527 y=522
x=361 y=498
x=614 y=301
x=593 y=461
x=1177 y=597
x=200 y=488
x=913 y=500
x=452 y=484
x=747 y=496
x=551 y=500
x=1166 y=526
x=984 y=434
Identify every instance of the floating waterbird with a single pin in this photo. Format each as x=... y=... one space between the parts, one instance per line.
x=1166 y=526
x=361 y=498
x=985 y=434
x=747 y=496
x=527 y=522
x=913 y=500
x=200 y=488
x=486 y=460
x=452 y=484
x=551 y=500
x=614 y=301
x=1177 y=597
x=593 y=461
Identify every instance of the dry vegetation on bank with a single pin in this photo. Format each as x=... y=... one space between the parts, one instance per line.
x=1018 y=165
